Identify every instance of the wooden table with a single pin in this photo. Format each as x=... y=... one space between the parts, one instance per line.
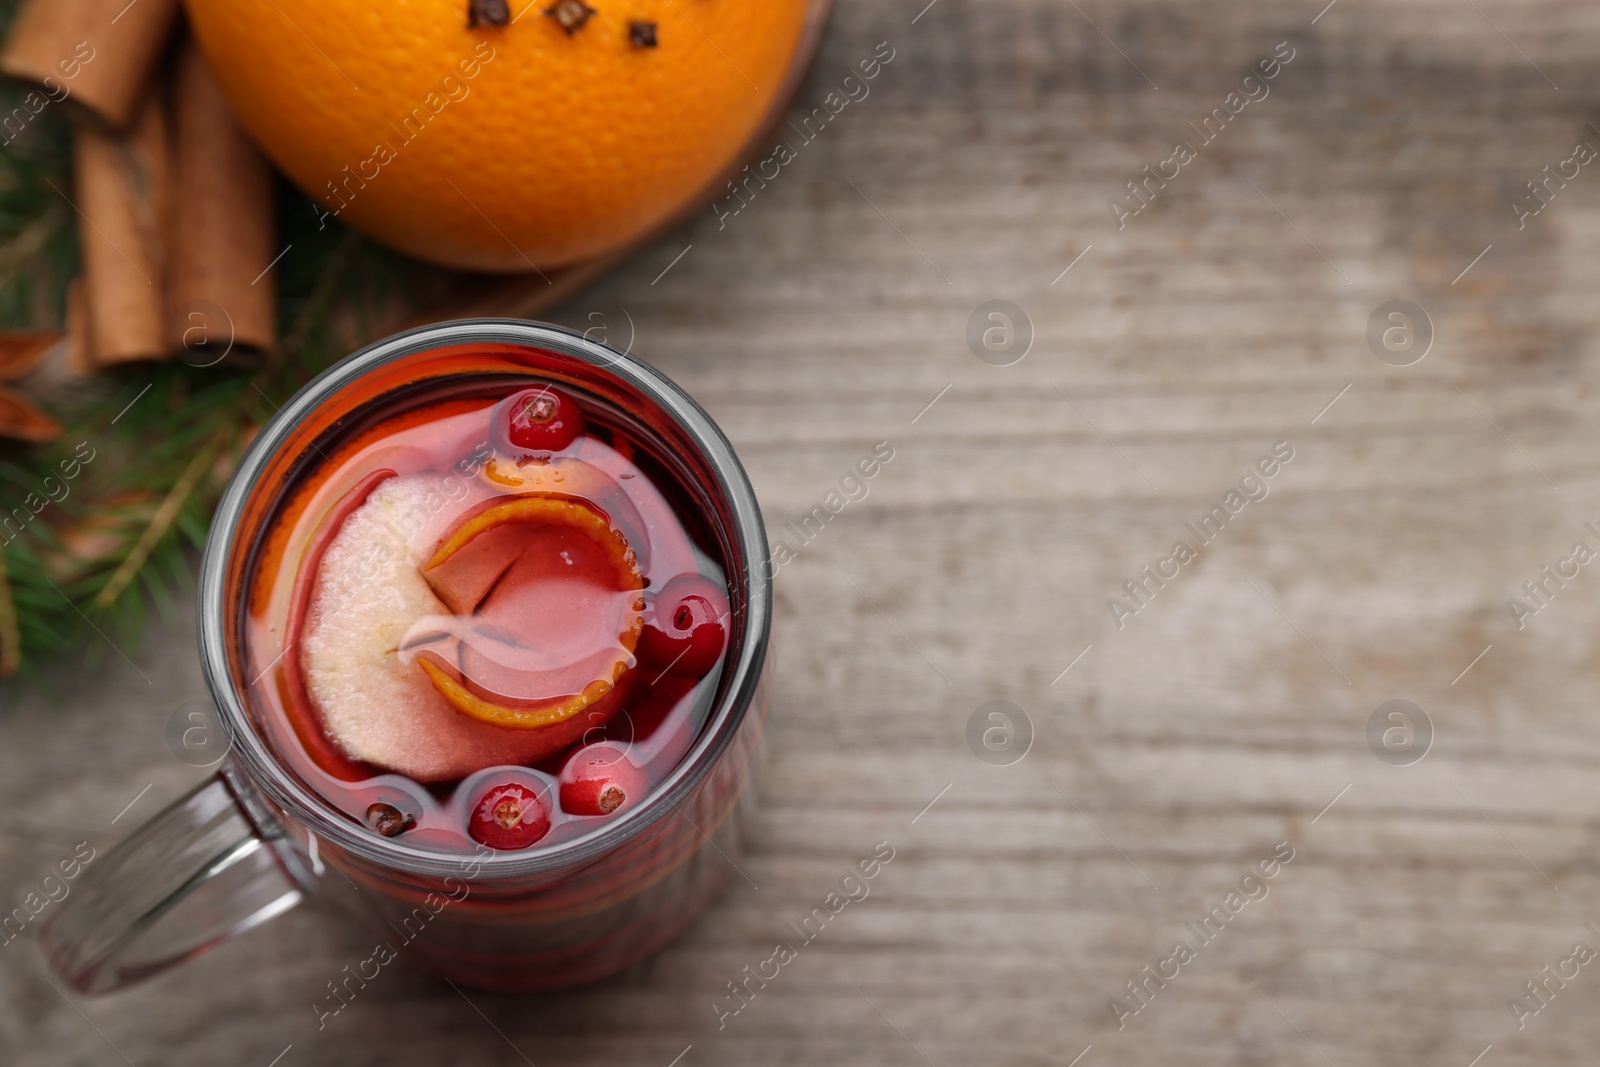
x=1169 y=754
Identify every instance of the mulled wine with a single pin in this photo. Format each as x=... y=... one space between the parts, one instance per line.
x=485 y=613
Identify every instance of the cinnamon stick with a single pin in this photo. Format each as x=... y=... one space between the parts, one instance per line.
x=96 y=53
x=222 y=232
x=121 y=185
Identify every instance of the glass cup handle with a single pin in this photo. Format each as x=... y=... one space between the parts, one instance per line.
x=209 y=866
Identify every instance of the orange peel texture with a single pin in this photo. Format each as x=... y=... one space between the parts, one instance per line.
x=516 y=147
x=541 y=510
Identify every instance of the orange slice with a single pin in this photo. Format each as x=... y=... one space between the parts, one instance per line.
x=548 y=510
x=576 y=478
x=473 y=706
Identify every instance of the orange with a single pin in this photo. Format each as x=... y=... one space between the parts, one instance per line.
x=518 y=147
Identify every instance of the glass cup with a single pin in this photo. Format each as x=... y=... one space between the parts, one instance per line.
x=254 y=840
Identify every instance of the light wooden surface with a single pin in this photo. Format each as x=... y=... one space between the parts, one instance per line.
x=1177 y=751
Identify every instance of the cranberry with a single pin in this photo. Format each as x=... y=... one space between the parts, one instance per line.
x=509 y=815
x=541 y=419
x=687 y=630
x=598 y=780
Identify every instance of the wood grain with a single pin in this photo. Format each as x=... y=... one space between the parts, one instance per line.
x=1222 y=719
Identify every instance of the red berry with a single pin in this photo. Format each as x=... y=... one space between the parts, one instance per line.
x=687 y=628
x=541 y=419
x=599 y=780
x=509 y=815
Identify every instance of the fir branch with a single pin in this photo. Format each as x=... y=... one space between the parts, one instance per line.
x=161 y=522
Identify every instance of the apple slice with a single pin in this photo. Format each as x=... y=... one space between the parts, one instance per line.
x=299 y=704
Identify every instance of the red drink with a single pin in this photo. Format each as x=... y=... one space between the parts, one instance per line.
x=493 y=585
